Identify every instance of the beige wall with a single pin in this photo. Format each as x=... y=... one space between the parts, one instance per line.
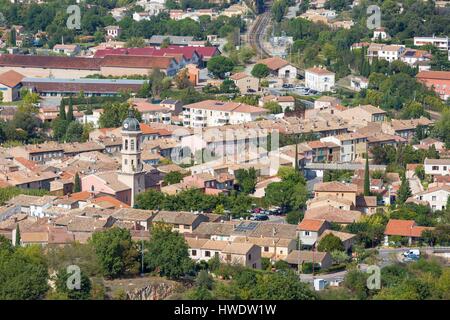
x=117 y=72
x=8 y=93
x=55 y=73
x=247 y=83
x=345 y=195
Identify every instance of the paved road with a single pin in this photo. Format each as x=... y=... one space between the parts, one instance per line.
x=386 y=256
x=415 y=185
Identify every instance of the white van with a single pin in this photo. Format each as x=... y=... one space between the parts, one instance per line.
x=415 y=252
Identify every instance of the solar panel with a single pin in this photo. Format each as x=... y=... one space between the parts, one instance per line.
x=246 y=226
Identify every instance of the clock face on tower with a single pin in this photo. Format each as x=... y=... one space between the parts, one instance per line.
x=125 y=125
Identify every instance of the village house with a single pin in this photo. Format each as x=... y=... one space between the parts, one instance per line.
x=182 y=222
x=10 y=85
x=353 y=145
x=67 y=49
x=403 y=228
x=272 y=248
x=245 y=254
x=326 y=102
x=437 y=167
x=245 y=83
x=406 y=128
x=297 y=258
x=365 y=113
x=280 y=68
x=286 y=102
x=319 y=79
x=386 y=52
x=152 y=112
x=435 y=197
x=380 y=34
x=113 y=32
x=310 y=230
x=439 y=81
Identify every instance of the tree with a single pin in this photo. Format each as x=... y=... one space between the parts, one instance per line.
x=69 y=115
x=260 y=71
x=294 y=217
x=404 y=191
x=59 y=128
x=114 y=114
x=17 y=244
x=246 y=179
x=116 y=252
x=167 y=253
x=77 y=183
x=220 y=65
x=62 y=110
x=83 y=293
x=182 y=79
x=273 y=107
x=367 y=178
x=22 y=276
x=173 y=177
x=290 y=193
x=281 y=286
x=135 y=42
x=157 y=80
x=74 y=132
x=330 y=243
x=150 y=200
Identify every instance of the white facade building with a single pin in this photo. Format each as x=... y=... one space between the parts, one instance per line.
x=437 y=167
x=210 y=113
x=319 y=79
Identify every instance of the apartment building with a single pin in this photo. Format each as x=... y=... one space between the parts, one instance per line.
x=353 y=145
x=319 y=79
x=210 y=113
x=152 y=112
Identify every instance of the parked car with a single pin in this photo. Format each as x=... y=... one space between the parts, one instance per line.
x=261 y=217
x=410 y=252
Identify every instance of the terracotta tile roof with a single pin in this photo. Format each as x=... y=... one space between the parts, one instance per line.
x=239 y=76
x=29 y=164
x=437 y=75
x=57 y=62
x=310 y=224
x=404 y=228
x=136 y=62
x=11 y=78
x=298 y=257
x=366 y=201
x=335 y=186
x=333 y=214
x=178 y=217
x=320 y=71
x=344 y=236
x=225 y=106
x=238 y=248
x=110 y=202
x=274 y=63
